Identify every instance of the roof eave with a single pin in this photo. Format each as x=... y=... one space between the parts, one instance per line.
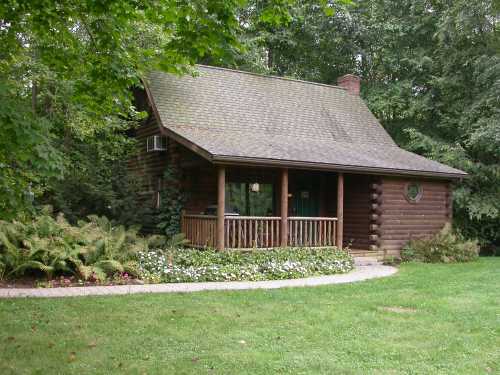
x=170 y=133
x=251 y=161
x=240 y=160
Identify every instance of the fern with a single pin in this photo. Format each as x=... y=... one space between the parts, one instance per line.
x=34 y=265
x=89 y=272
x=3 y=268
x=91 y=249
x=98 y=274
x=176 y=241
x=131 y=267
x=119 y=237
x=110 y=266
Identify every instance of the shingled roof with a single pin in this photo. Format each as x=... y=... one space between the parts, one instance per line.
x=231 y=116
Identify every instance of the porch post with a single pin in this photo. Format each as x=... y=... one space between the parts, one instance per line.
x=221 y=204
x=284 y=207
x=340 y=210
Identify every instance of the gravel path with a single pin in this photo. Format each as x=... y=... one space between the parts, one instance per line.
x=358 y=274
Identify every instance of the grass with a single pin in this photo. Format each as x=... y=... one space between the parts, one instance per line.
x=426 y=319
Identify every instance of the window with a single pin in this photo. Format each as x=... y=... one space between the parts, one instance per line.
x=156 y=143
x=413 y=192
x=249 y=199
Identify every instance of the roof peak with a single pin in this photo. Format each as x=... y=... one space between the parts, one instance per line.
x=271 y=76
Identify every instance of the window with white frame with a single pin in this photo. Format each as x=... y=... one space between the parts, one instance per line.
x=156 y=143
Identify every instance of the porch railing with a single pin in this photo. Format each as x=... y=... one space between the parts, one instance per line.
x=312 y=231
x=242 y=232
x=252 y=231
x=200 y=230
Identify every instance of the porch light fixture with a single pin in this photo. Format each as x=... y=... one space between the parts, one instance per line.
x=255 y=187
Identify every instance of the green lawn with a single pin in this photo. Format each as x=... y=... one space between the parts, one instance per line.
x=427 y=319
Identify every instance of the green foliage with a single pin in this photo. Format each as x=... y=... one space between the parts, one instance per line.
x=177 y=241
x=66 y=70
x=189 y=265
x=444 y=247
x=312 y=41
x=172 y=201
x=96 y=180
x=93 y=249
x=28 y=158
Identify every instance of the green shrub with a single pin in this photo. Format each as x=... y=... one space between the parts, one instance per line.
x=191 y=265
x=172 y=201
x=97 y=249
x=93 y=249
x=96 y=179
x=444 y=247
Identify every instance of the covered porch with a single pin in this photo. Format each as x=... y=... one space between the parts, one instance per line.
x=248 y=207
x=243 y=232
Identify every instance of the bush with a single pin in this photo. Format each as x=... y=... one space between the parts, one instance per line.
x=445 y=247
x=190 y=265
x=93 y=249
x=104 y=189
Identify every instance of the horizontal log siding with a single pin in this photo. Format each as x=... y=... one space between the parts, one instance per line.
x=147 y=166
x=357 y=208
x=197 y=176
x=401 y=221
x=200 y=185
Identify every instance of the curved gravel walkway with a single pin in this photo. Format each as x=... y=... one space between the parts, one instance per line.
x=358 y=274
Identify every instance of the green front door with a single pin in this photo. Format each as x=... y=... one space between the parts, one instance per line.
x=305 y=201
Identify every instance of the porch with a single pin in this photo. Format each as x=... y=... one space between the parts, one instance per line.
x=242 y=232
x=246 y=207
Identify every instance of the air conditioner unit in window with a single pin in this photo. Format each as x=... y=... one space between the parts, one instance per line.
x=156 y=143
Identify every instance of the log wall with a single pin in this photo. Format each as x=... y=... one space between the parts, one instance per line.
x=357 y=208
x=199 y=181
x=401 y=220
x=377 y=216
x=197 y=176
x=147 y=167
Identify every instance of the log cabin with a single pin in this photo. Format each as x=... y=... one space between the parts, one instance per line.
x=270 y=161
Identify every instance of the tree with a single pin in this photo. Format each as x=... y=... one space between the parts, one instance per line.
x=432 y=72
x=310 y=41
x=66 y=69
x=27 y=155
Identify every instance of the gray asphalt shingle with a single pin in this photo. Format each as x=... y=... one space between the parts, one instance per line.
x=238 y=115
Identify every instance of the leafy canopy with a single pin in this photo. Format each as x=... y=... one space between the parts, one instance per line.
x=430 y=72
x=66 y=69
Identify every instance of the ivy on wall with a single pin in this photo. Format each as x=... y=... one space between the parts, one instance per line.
x=172 y=201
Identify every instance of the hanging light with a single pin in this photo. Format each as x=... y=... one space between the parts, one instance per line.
x=255 y=187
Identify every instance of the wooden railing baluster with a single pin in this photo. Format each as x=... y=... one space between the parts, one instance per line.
x=259 y=231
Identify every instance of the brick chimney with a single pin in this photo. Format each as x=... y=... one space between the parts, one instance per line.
x=350 y=82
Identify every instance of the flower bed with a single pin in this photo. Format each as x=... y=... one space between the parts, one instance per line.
x=190 y=265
